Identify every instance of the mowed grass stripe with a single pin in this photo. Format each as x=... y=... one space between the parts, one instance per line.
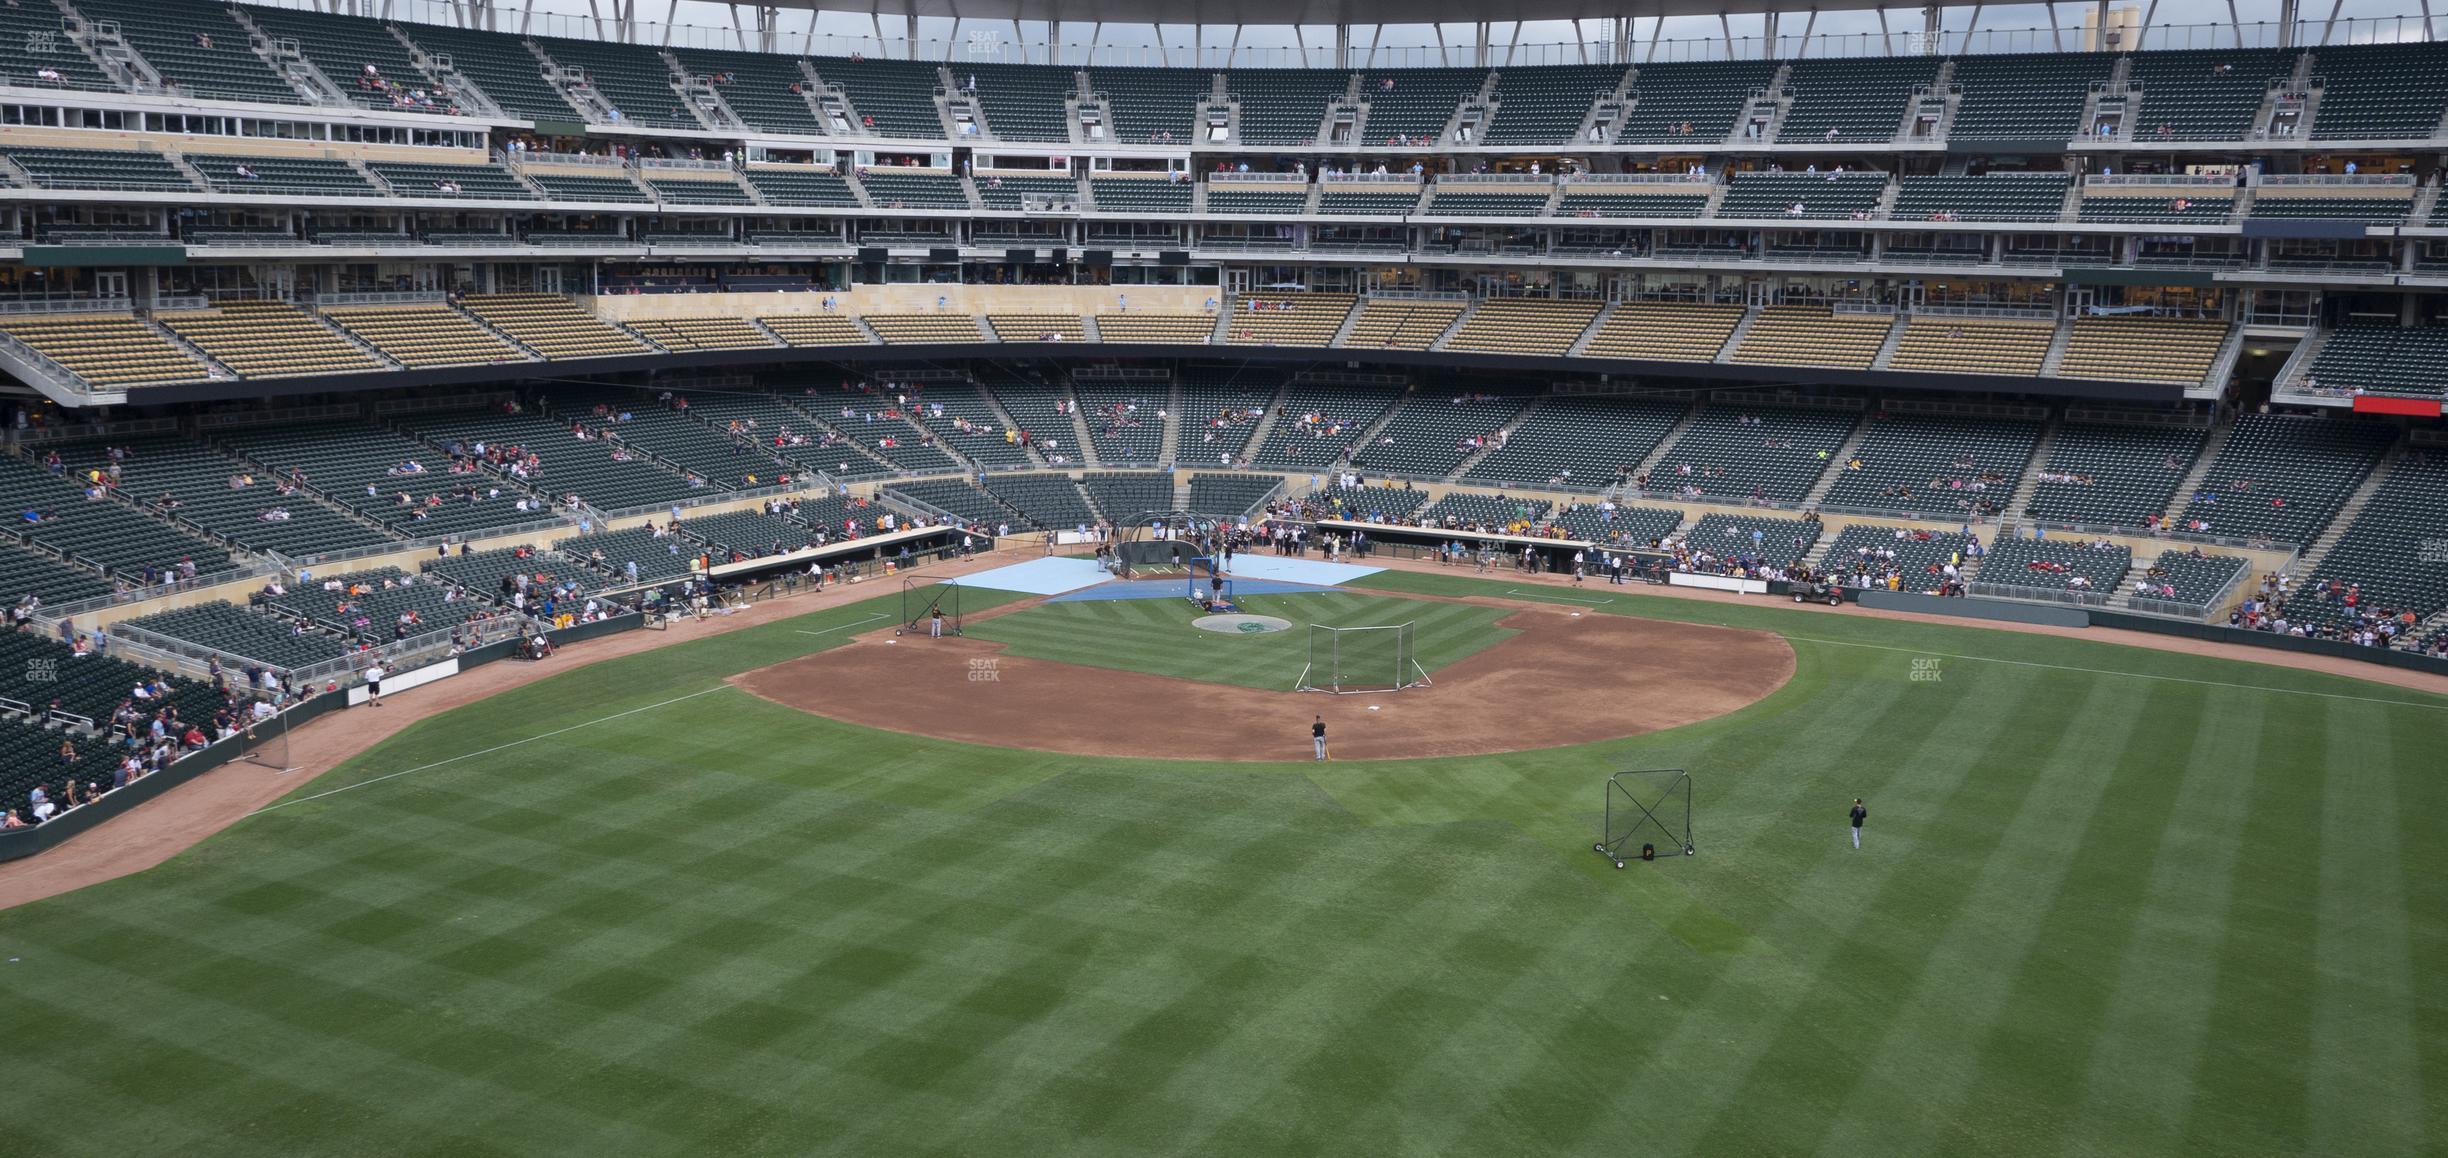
x=1156 y=636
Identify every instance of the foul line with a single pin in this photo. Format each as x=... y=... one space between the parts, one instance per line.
x=838 y=627
x=482 y=752
x=1566 y=598
x=2128 y=674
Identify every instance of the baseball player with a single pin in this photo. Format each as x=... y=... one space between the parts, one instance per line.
x=1859 y=814
x=935 y=623
x=1317 y=737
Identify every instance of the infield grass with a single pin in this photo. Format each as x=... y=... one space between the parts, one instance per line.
x=1156 y=635
x=2112 y=901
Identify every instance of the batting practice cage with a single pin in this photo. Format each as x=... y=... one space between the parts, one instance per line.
x=1348 y=660
x=1647 y=812
x=921 y=600
x=1153 y=544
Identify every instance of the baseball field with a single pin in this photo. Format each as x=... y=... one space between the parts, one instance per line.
x=690 y=902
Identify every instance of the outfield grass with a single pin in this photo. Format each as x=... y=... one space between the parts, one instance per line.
x=1156 y=636
x=2113 y=902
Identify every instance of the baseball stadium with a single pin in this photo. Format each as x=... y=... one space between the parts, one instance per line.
x=1768 y=578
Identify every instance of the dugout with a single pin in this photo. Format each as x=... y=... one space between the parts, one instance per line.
x=1554 y=555
x=865 y=557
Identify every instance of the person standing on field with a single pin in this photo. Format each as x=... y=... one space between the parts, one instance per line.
x=1317 y=737
x=1858 y=815
x=935 y=623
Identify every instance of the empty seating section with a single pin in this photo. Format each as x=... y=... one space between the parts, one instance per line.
x=631 y=77
x=2376 y=210
x=2389 y=549
x=1119 y=495
x=28 y=571
x=1620 y=526
x=602 y=474
x=1816 y=195
x=1319 y=425
x=750 y=534
x=2179 y=207
x=2190 y=580
x=2048 y=568
x=698 y=190
x=500 y=65
x=764 y=90
x=1532 y=326
x=1696 y=102
x=1022 y=102
x=587 y=187
x=1475 y=204
x=2101 y=474
x=283 y=176
x=184 y=480
x=1992 y=197
x=551 y=325
x=1497 y=513
x=1545 y=106
x=1766 y=542
x=1256 y=199
x=2375 y=92
x=34 y=37
x=1812 y=336
x=1917 y=560
x=770 y=419
x=1598 y=201
x=420 y=336
x=342 y=47
x=1036 y=407
x=1152 y=105
x=2205 y=94
x=923 y=329
x=1230 y=495
x=1401 y=323
x=1413 y=105
x=2280 y=477
x=1288 y=319
x=104 y=533
x=963 y=501
x=269 y=339
x=1862 y=99
x=1140 y=194
x=231 y=630
x=106 y=350
x=1038 y=327
x=816 y=329
x=677 y=438
x=1365 y=201
x=200 y=48
x=816 y=188
x=1434 y=430
x=2142 y=349
x=403 y=484
x=609 y=554
x=1379 y=504
x=2025 y=96
x=1219 y=416
x=2382 y=359
x=1664 y=331
x=1030 y=194
x=911 y=189
x=1283 y=106
x=897 y=96
x=1158 y=329
x=1743 y=453
x=960 y=417
x=1940 y=345
x=1578 y=443
x=1051 y=501
x=706 y=333
x=481 y=572
x=1934 y=465
x=99 y=169
x=490 y=182
x=1124 y=421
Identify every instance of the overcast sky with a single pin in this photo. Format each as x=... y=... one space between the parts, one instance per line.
x=2008 y=27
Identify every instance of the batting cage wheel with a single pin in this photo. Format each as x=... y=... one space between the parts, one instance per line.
x=921 y=600
x=1646 y=801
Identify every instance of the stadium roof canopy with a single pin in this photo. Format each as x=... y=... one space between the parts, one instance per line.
x=1338 y=12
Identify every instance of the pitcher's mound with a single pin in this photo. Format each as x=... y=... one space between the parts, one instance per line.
x=1235 y=623
x=1560 y=681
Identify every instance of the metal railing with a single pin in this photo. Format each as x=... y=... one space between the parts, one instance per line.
x=66 y=305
